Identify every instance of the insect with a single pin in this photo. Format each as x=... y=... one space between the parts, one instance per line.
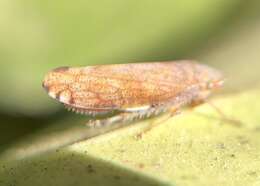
x=132 y=91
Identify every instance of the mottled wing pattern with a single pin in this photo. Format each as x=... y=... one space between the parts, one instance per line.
x=128 y=87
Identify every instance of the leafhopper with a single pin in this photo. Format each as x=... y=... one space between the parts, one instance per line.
x=133 y=91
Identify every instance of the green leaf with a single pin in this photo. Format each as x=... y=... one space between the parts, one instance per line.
x=197 y=147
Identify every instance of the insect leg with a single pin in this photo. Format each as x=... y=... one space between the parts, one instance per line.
x=171 y=111
x=173 y=107
x=223 y=116
x=124 y=117
x=200 y=98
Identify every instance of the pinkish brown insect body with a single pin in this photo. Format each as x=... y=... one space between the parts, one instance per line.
x=135 y=90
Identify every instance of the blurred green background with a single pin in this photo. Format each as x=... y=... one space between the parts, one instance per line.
x=36 y=36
